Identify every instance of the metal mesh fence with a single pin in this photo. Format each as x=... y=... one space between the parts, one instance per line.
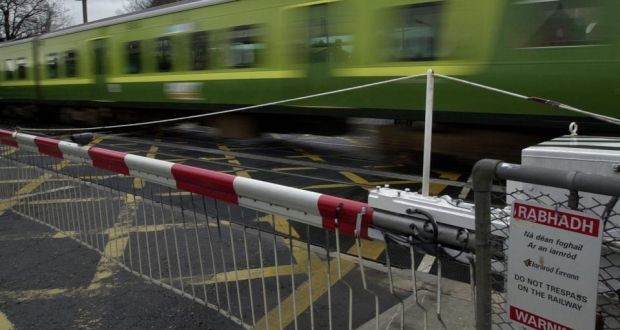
x=605 y=207
x=260 y=270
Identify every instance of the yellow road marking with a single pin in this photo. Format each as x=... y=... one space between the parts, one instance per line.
x=371 y=184
x=118 y=238
x=28 y=188
x=25 y=295
x=174 y=160
x=137 y=182
x=318 y=278
x=98 y=177
x=156 y=228
x=426 y=263
x=304 y=154
x=355 y=178
x=290 y=169
x=245 y=274
x=232 y=160
x=281 y=225
x=384 y=166
x=65 y=234
x=14 y=181
x=367 y=186
x=121 y=144
x=96 y=140
x=68 y=200
x=5 y=324
x=237 y=171
x=152 y=152
x=369 y=249
x=176 y=193
x=61 y=165
x=328 y=186
x=348 y=139
x=9 y=152
x=58 y=235
x=436 y=189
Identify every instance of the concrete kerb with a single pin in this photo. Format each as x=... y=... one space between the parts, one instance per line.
x=456 y=301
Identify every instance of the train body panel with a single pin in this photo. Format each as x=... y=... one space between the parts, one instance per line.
x=228 y=53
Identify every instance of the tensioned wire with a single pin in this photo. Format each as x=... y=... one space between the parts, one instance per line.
x=549 y=102
x=257 y=106
x=552 y=103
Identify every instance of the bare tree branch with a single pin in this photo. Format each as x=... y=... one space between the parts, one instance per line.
x=26 y=18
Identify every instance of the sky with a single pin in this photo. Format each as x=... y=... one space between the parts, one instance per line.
x=97 y=9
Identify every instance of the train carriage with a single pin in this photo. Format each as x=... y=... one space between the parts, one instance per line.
x=208 y=55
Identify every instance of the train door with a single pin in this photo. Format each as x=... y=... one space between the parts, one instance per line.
x=99 y=50
x=322 y=38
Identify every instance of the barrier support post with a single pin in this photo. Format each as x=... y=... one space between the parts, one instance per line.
x=483 y=174
x=428 y=131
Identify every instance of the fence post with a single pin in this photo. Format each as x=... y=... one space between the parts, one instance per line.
x=483 y=174
x=428 y=131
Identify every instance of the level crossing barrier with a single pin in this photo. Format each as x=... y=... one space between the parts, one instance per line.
x=561 y=193
x=263 y=255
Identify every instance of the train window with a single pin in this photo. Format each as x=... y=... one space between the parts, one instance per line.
x=411 y=32
x=52 y=65
x=133 y=57
x=557 y=23
x=71 y=63
x=9 y=69
x=200 y=45
x=246 y=47
x=163 y=51
x=329 y=34
x=21 y=68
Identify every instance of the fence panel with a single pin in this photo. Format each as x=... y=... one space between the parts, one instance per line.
x=262 y=265
x=591 y=194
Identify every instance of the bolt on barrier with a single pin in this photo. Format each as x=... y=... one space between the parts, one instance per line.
x=594 y=195
x=263 y=255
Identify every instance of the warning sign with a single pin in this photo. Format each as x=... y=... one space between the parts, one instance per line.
x=553 y=261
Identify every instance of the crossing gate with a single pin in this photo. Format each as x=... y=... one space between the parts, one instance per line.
x=560 y=191
x=269 y=256
x=263 y=255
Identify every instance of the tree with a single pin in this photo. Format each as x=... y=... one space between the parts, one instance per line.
x=26 y=18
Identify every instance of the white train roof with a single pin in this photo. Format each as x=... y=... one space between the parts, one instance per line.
x=151 y=12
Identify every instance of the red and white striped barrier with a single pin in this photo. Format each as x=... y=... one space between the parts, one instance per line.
x=318 y=210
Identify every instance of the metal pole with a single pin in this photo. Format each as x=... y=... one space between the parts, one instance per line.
x=483 y=174
x=428 y=131
x=84 y=11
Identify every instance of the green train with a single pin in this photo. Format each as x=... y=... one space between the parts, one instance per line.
x=209 y=55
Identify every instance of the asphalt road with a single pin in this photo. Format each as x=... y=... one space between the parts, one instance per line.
x=53 y=282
